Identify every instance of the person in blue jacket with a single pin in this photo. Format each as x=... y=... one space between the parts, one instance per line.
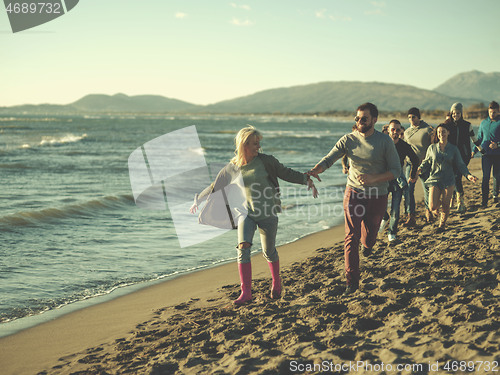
x=488 y=137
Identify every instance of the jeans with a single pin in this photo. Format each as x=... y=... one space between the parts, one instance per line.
x=459 y=187
x=397 y=195
x=362 y=221
x=409 y=193
x=489 y=162
x=267 y=228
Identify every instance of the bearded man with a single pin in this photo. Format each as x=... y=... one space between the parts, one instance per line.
x=373 y=162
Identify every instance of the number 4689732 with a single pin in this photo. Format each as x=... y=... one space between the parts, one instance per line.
x=25 y=8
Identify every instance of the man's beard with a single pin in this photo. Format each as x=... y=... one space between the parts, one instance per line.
x=364 y=128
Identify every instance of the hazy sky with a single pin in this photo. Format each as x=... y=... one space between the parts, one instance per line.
x=204 y=51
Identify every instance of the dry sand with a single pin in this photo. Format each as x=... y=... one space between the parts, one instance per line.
x=430 y=299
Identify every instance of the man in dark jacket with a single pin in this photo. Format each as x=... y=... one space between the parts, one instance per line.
x=398 y=185
x=461 y=134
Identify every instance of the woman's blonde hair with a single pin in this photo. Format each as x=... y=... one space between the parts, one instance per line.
x=241 y=139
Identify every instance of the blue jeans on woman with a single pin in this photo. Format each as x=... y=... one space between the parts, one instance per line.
x=410 y=192
x=396 y=194
x=268 y=228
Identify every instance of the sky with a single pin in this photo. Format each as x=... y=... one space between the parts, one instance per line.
x=204 y=51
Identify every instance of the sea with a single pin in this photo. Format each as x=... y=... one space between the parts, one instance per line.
x=71 y=233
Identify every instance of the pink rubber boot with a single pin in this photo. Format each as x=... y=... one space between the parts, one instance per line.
x=275 y=272
x=245 y=270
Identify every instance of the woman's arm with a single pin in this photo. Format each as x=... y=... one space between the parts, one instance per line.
x=287 y=174
x=459 y=163
x=223 y=179
x=426 y=164
x=290 y=175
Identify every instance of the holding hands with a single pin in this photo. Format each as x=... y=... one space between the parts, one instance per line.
x=316 y=171
x=472 y=178
x=310 y=185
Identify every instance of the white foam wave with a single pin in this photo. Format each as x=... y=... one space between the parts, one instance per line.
x=68 y=138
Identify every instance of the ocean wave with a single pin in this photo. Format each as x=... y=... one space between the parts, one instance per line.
x=68 y=138
x=54 y=141
x=49 y=215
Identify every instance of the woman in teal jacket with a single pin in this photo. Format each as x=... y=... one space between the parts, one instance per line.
x=440 y=161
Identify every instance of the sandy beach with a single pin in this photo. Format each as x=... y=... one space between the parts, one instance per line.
x=430 y=301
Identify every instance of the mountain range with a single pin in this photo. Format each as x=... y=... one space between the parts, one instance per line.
x=481 y=86
x=468 y=88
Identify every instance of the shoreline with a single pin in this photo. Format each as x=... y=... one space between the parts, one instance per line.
x=49 y=340
x=18 y=325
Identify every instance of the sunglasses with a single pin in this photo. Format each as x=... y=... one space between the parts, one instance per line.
x=363 y=119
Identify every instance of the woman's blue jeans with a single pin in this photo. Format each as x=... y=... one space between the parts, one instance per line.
x=409 y=193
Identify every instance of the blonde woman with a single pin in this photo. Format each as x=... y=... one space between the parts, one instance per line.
x=260 y=174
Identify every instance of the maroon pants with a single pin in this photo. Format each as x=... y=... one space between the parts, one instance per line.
x=362 y=221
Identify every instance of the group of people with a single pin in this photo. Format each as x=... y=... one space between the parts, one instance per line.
x=376 y=165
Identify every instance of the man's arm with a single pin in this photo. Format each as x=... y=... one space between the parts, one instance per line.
x=371 y=179
x=393 y=165
x=496 y=136
x=414 y=161
x=335 y=154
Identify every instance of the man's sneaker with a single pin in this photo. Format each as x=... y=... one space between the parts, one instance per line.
x=383 y=224
x=391 y=237
x=495 y=199
x=367 y=251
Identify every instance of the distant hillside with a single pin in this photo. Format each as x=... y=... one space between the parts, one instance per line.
x=326 y=96
x=468 y=88
x=474 y=84
x=119 y=103
x=124 y=103
x=37 y=109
